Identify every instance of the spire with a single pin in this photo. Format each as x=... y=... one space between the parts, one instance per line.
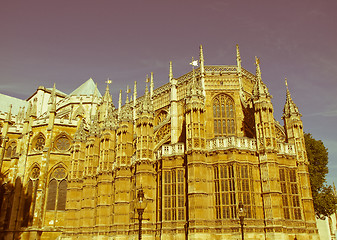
x=238 y=58
x=107 y=97
x=127 y=94
x=258 y=69
x=290 y=108
x=120 y=101
x=108 y=81
x=171 y=72
x=135 y=93
x=151 y=85
x=201 y=60
x=146 y=90
x=260 y=88
x=202 y=70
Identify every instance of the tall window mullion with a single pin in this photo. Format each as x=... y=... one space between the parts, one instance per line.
x=223 y=114
x=290 y=194
x=233 y=184
x=174 y=195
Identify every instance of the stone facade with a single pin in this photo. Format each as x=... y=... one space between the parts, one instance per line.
x=197 y=146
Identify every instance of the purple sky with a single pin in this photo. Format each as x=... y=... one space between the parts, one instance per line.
x=67 y=42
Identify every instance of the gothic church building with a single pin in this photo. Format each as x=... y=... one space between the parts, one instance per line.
x=198 y=146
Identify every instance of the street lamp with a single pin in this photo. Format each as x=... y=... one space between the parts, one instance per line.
x=140 y=207
x=241 y=214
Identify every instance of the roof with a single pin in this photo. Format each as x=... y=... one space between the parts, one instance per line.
x=86 y=89
x=6 y=101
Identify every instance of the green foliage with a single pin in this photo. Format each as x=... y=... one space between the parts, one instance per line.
x=325 y=202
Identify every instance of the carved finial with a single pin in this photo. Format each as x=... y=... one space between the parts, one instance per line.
x=258 y=69
x=146 y=90
x=151 y=85
x=9 y=114
x=201 y=54
x=194 y=63
x=171 y=71
x=127 y=93
x=107 y=97
x=290 y=108
x=135 y=93
x=238 y=57
x=108 y=81
x=120 y=101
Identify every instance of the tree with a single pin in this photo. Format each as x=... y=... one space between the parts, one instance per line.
x=325 y=202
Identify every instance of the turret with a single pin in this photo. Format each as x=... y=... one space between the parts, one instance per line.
x=264 y=114
x=174 y=107
x=294 y=131
x=195 y=115
x=202 y=70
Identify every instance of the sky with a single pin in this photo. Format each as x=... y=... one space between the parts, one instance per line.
x=67 y=42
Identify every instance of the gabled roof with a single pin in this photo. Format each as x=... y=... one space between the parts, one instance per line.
x=6 y=101
x=86 y=89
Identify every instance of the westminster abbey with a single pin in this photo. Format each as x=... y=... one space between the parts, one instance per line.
x=204 y=149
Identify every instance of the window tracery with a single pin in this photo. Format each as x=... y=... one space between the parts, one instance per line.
x=174 y=198
x=11 y=150
x=62 y=143
x=234 y=184
x=29 y=203
x=290 y=194
x=160 y=117
x=39 y=143
x=57 y=190
x=224 y=115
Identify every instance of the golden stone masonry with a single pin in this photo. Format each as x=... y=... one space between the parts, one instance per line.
x=198 y=146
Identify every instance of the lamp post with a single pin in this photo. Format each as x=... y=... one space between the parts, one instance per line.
x=140 y=207
x=241 y=214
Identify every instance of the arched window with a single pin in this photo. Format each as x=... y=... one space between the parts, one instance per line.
x=30 y=196
x=11 y=150
x=39 y=142
x=224 y=116
x=57 y=190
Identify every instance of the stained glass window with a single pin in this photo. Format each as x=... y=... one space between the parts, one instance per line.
x=57 y=190
x=223 y=113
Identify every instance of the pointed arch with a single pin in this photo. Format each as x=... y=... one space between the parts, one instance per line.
x=160 y=117
x=223 y=115
x=11 y=149
x=38 y=142
x=162 y=135
x=57 y=188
